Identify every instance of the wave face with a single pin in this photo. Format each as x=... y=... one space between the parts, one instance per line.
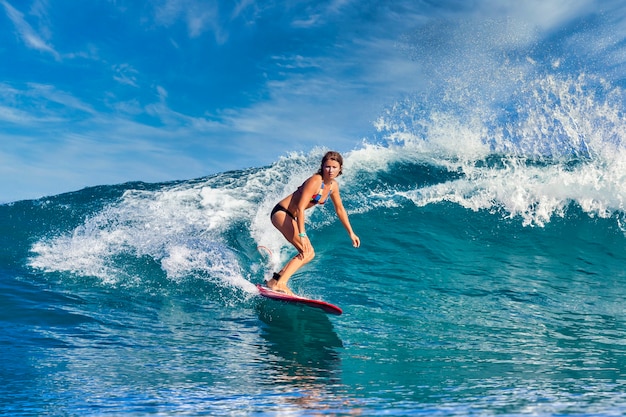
x=495 y=277
x=491 y=278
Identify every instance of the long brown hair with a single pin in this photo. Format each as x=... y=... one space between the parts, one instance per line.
x=334 y=156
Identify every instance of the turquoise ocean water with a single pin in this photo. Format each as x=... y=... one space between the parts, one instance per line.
x=489 y=284
x=491 y=278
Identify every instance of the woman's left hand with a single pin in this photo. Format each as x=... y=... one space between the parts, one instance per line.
x=356 y=242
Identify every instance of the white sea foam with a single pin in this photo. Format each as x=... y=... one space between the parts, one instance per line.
x=560 y=142
x=180 y=227
x=186 y=228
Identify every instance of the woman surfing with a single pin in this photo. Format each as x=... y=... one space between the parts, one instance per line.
x=288 y=216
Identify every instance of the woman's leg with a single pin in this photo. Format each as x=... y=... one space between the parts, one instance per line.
x=287 y=226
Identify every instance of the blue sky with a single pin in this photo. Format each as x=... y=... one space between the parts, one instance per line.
x=108 y=91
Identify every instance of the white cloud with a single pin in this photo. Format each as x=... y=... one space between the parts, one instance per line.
x=241 y=7
x=162 y=93
x=546 y=15
x=295 y=62
x=32 y=168
x=39 y=104
x=28 y=35
x=16 y=116
x=56 y=150
x=199 y=17
x=50 y=93
x=125 y=74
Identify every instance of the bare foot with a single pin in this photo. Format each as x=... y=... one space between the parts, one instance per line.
x=274 y=285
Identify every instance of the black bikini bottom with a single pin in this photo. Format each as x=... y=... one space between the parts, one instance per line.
x=278 y=208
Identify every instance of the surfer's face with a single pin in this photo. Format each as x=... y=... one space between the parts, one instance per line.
x=331 y=169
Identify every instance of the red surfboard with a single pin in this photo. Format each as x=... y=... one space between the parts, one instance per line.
x=274 y=295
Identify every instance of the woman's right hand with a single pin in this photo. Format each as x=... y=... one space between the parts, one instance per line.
x=306 y=244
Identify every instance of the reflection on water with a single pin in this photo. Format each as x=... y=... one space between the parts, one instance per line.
x=302 y=340
x=303 y=354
